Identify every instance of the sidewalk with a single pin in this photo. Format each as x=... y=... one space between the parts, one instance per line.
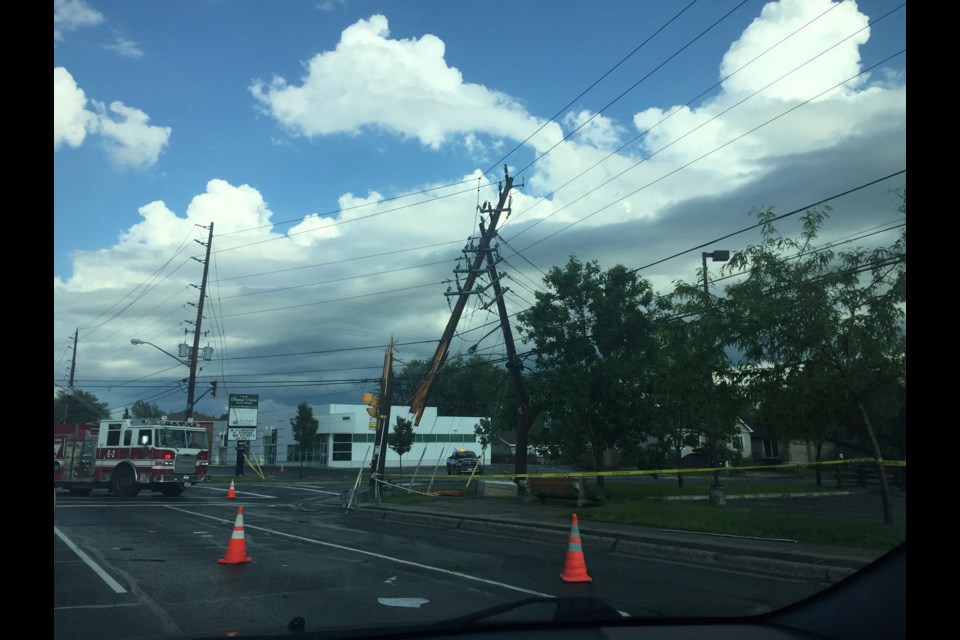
x=550 y=522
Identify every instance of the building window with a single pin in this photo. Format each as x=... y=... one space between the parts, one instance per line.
x=342 y=447
x=738 y=442
x=315 y=454
x=771 y=449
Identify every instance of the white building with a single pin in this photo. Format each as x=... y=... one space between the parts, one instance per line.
x=345 y=440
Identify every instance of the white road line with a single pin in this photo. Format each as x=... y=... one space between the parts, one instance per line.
x=237 y=491
x=113 y=584
x=371 y=554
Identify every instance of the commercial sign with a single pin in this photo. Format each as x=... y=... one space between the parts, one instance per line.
x=243 y=411
x=241 y=433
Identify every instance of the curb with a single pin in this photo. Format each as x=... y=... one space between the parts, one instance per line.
x=828 y=570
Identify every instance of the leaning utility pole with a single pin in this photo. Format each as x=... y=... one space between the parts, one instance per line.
x=188 y=414
x=514 y=365
x=418 y=401
x=378 y=461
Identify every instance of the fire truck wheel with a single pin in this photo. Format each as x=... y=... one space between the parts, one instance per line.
x=171 y=490
x=123 y=483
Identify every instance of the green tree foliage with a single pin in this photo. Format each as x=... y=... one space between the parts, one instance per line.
x=681 y=387
x=142 y=409
x=401 y=438
x=594 y=335
x=822 y=328
x=471 y=386
x=694 y=391
x=78 y=407
x=305 y=427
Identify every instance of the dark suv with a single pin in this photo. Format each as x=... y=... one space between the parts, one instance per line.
x=463 y=461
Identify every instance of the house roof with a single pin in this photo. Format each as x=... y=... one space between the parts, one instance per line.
x=757 y=429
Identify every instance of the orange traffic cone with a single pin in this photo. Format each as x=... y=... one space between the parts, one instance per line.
x=281 y=468
x=237 y=548
x=232 y=492
x=574 y=569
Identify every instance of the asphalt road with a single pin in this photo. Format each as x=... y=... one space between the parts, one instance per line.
x=149 y=567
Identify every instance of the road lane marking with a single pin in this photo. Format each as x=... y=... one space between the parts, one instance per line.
x=413 y=603
x=409 y=563
x=113 y=584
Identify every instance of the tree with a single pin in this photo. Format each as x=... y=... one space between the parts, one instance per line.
x=471 y=386
x=142 y=409
x=401 y=438
x=808 y=319
x=680 y=391
x=805 y=403
x=77 y=407
x=304 y=430
x=594 y=338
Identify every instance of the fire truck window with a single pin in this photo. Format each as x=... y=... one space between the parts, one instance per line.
x=144 y=437
x=172 y=438
x=113 y=436
x=126 y=438
x=197 y=440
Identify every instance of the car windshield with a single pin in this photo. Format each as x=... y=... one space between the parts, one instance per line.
x=548 y=310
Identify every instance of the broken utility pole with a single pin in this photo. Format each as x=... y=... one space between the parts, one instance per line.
x=378 y=461
x=419 y=398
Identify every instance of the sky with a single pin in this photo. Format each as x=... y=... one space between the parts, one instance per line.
x=339 y=151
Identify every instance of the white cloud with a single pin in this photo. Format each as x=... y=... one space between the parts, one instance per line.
x=125 y=48
x=594 y=129
x=402 y=86
x=69 y=15
x=71 y=119
x=129 y=139
x=724 y=139
x=778 y=20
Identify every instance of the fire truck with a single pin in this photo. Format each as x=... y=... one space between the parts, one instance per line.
x=129 y=455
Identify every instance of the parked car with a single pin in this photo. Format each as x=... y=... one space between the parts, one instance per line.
x=463 y=461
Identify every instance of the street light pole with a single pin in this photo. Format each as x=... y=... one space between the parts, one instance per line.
x=716 y=494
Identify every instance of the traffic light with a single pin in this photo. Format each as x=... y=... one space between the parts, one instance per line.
x=213 y=387
x=373 y=409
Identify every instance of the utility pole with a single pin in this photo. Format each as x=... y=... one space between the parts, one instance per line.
x=188 y=414
x=378 y=461
x=418 y=401
x=73 y=368
x=515 y=367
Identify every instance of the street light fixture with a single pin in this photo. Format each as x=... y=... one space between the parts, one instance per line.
x=207 y=354
x=473 y=349
x=716 y=494
x=137 y=341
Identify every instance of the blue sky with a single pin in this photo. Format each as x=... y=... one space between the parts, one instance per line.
x=340 y=148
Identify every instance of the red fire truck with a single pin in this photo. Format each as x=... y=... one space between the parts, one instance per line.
x=128 y=455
